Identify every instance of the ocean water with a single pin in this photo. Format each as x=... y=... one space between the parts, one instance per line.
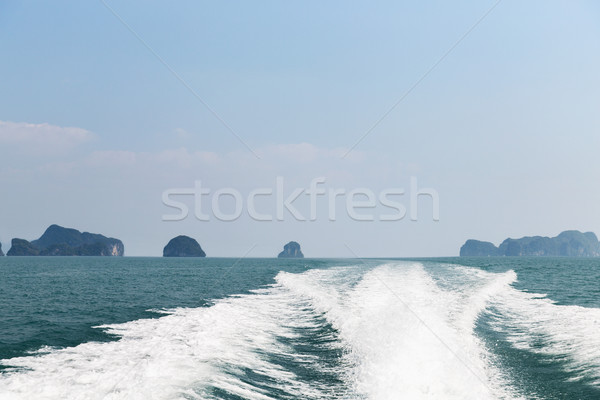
x=151 y=328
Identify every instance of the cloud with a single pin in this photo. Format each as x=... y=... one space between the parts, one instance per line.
x=306 y=153
x=181 y=133
x=111 y=158
x=43 y=138
x=297 y=162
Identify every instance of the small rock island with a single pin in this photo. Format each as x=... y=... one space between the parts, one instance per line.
x=1 y=253
x=21 y=247
x=59 y=241
x=291 y=250
x=567 y=244
x=183 y=246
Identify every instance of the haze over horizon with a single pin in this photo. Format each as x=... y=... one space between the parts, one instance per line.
x=503 y=125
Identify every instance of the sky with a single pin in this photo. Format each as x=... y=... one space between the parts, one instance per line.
x=493 y=106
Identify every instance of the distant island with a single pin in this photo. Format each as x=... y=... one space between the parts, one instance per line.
x=291 y=250
x=567 y=244
x=183 y=246
x=1 y=253
x=59 y=241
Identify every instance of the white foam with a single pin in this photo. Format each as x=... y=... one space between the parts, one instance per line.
x=407 y=336
x=176 y=356
x=570 y=334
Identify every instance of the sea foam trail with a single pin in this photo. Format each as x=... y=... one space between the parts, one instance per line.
x=567 y=334
x=388 y=332
x=201 y=353
x=408 y=337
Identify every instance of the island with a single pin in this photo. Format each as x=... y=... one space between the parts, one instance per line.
x=1 y=253
x=21 y=247
x=59 y=241
x=567 y=244
x=183 y=246
x=291 y=250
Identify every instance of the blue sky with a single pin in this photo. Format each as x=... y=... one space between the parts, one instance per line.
x=505 y=127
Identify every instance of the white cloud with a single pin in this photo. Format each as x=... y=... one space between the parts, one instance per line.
x=41 y=138
x=296 y=152
x=306 y=153
x=111 y=158
x=295 y=161
x=181 y=133
x=182 y=158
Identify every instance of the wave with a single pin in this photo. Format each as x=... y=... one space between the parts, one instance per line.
x=408 y=337
x=237 y=348
x=564 y=334
x=397 y=330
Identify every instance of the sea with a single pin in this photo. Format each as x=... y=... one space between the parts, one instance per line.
x=220 y=328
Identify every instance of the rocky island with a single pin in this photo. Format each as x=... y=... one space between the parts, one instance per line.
x=1 y=253
x=291 y=250
x=183 y=246
x=567 y=244
x=21 y=247
x=59 y=241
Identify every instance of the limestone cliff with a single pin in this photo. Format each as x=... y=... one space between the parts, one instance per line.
x=567 y=244
x=291 y=250
x=183 y=246
x=59 y=241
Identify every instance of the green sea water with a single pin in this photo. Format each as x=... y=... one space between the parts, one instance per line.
x=455 y=328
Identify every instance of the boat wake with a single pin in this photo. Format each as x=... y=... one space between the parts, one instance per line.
x=397 y=330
